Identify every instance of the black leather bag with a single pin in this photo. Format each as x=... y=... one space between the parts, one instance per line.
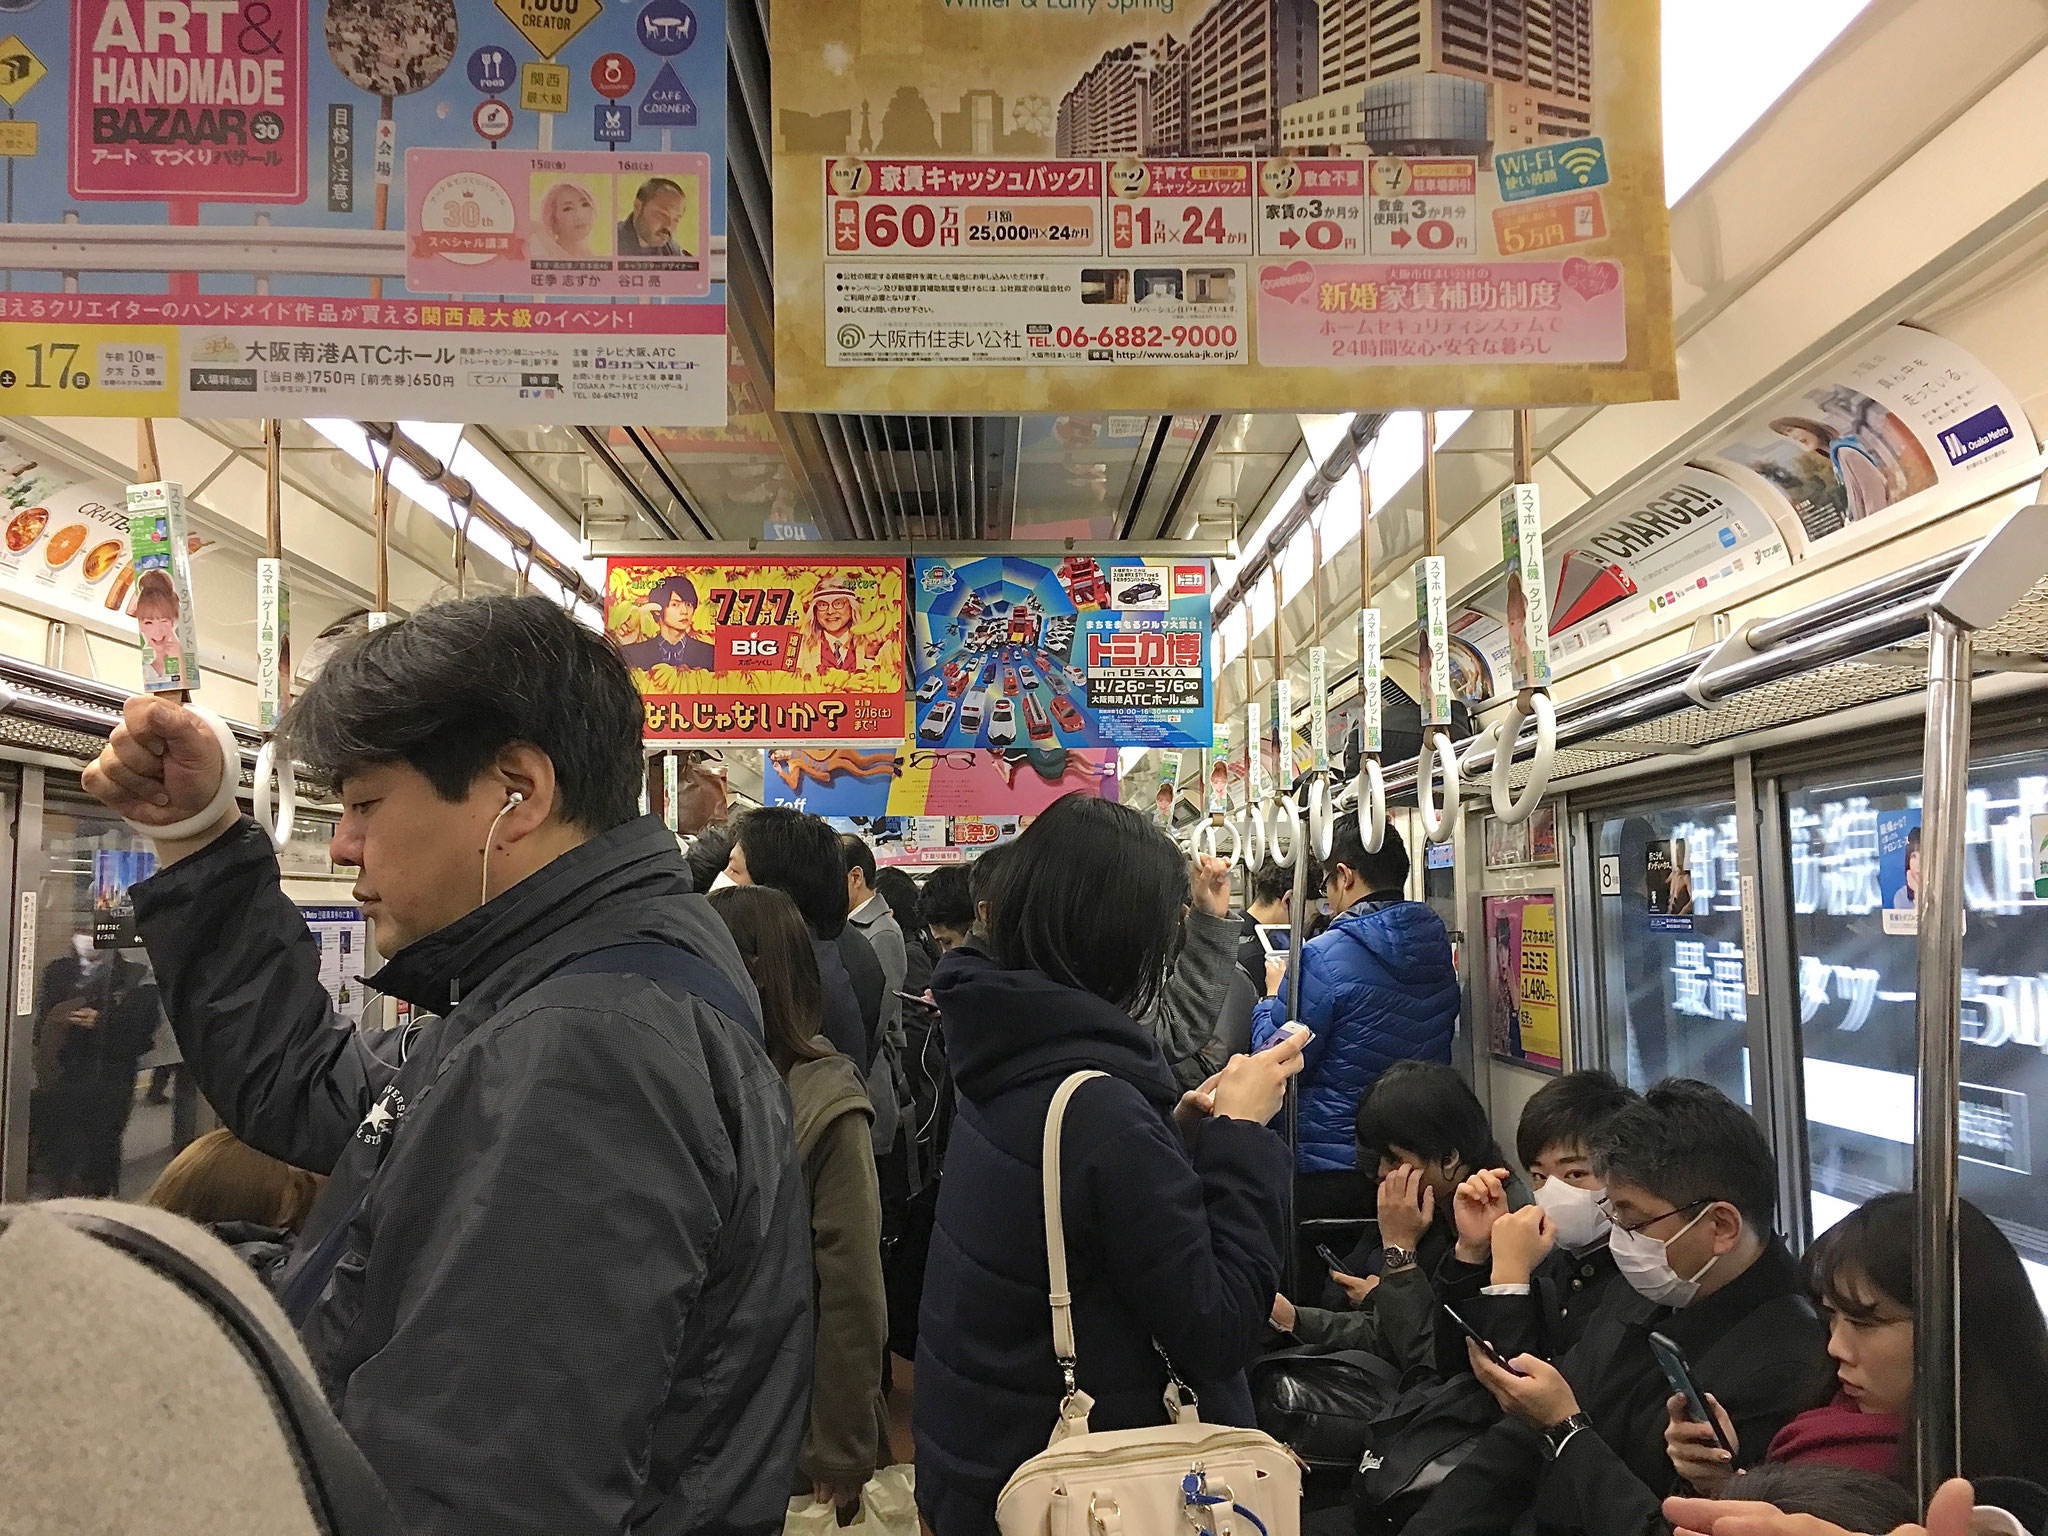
x=1320 y=1403
x=1412 y=1446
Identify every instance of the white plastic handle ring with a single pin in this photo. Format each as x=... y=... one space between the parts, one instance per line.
x=1482 y=740
x=1372 y=804
x=1284 y=814
x=1202 y=840
x=272 y=763
x=1439 y=760
x=1252 y=843
x=1322 y=825
x=223 y=798
x=1514 y=808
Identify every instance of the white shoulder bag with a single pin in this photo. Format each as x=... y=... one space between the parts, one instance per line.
x=1181 y=1477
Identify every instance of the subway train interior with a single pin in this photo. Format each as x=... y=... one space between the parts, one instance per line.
x=1600 y=441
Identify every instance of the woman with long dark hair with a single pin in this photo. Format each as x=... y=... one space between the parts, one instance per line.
x=1172 y=1222
x=1860 y=1272
x=848 y=1436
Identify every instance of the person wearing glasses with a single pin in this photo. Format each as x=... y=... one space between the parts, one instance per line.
x=1691 y=1196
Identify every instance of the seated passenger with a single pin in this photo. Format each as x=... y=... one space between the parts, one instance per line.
x=1426 y=1132
x=1529 y=1279
x=248 y=1199
x=1691 y=1192
x=521 y=1289
x=799 y=855
x=849 y=1429
x=1377 y=988
x=135 y=1400
x=1860 y=1273
x=1173 y=1221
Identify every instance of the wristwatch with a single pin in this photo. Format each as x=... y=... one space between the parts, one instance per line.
x=1562 y=1431
x=1396 y=1258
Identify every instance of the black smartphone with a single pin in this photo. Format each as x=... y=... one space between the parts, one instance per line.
x=918 y=1002
x=1671 y=1359
x=1330 y=1261
x=1473 y=1334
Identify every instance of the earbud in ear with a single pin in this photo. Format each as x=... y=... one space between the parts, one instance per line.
x=515 y=798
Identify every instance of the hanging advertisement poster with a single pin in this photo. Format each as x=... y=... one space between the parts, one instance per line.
x=1668 y=880
x=442 y=210
x=64 y=542
x=1521 y=952
x=1070 y=653
x=1480 y=656
x=917 y=780
x=756 y=651
x=1898 y=870
x=1522 y=844
x=1148 y=206
x=114 y=871
x=1696 y=537
x=1909 y=420
x=925 y=842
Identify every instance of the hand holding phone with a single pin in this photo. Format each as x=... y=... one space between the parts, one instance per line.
x=1678 y=1372
x=917 y=1001
x=1330 y=1260
x=1474 y=1335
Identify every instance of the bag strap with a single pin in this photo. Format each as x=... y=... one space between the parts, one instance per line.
x=1056 y=1234
x=669 y=967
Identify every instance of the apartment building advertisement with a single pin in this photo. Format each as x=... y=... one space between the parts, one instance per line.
x=1277 y=204
x=441 y=210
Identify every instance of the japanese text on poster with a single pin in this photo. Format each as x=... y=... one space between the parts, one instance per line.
x=396 y=209
x=762 y=651
x=1521 y=949
x=1073 y=653
x=1309 y=204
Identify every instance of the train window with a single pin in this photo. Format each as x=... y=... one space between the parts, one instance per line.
x=110 y=1104
x=1671 y=997
x=1855 y=878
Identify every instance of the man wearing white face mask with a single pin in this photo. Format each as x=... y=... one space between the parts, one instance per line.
x=1691 y=1192
x=1529 y=1280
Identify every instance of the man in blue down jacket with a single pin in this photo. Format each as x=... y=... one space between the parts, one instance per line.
x=1377 y=988
x=559 y=1282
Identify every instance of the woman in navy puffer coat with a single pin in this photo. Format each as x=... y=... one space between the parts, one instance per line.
x=1174 y=1238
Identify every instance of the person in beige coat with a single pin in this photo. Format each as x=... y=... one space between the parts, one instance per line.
x=848 y=1434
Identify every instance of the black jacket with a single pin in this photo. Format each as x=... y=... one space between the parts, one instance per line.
x=842 y=1025
x=864 y=968
x=1757 y=1345
x=1165 y=1242
x=576 y=1299
x=1565 y=1293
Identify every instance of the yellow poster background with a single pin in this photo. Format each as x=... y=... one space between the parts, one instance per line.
x=955 y=79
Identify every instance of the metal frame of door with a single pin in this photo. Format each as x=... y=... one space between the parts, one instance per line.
x=21 y=855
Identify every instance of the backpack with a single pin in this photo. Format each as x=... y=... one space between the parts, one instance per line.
x=1321 y=1403
x=1416 y=1442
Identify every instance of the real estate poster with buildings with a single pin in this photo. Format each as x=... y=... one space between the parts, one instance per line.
x=1217 y=204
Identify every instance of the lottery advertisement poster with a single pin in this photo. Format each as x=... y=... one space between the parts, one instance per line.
x=729 y=651
x=918 y=780
x=1206 y=204
x=443 y=210
x=1079 y=652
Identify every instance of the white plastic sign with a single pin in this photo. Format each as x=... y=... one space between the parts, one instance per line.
x=1371 y=673
x=1521 y=542
x=1433 y=657
x=1319 y=707
x=1255 y=755
x=1219 y=770
x=1283 y=733
x=273 y=659
x=163 y=586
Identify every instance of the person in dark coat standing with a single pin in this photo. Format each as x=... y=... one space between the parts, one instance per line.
x=96 y=1013
x=1172 y=1216
x=798 y=854
x=558 y=1283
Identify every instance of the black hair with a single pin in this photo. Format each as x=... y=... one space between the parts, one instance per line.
x=947 y=900
x=858 y=856
x=1385 y=872
x=672 y=587
x=1270 y=883
x=983 y=872
x=654 y=184
x=453 y=685
x=1091 y=896
x=1687 y=1142
x=1426 y=1108
x=708 y=854
x=1567 y=1111
x=800 y=854
x=776 y=946
x=1318 y=925
x=1852 y=1498
x=900 y=891
x=2004 y=1343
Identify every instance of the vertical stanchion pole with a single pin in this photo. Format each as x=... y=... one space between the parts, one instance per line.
x=1944 y=811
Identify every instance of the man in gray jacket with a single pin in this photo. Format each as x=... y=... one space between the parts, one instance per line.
x=559 y=1282
x=1189 y=1021
x=869 y=913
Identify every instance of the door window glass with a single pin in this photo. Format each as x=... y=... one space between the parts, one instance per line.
x=1854 y=850
x=1672 y=1000
x=110 y=1103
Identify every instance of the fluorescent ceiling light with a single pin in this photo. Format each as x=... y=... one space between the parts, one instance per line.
x=1725 y=64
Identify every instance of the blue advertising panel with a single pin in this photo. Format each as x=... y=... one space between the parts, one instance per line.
x=1076 y=652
